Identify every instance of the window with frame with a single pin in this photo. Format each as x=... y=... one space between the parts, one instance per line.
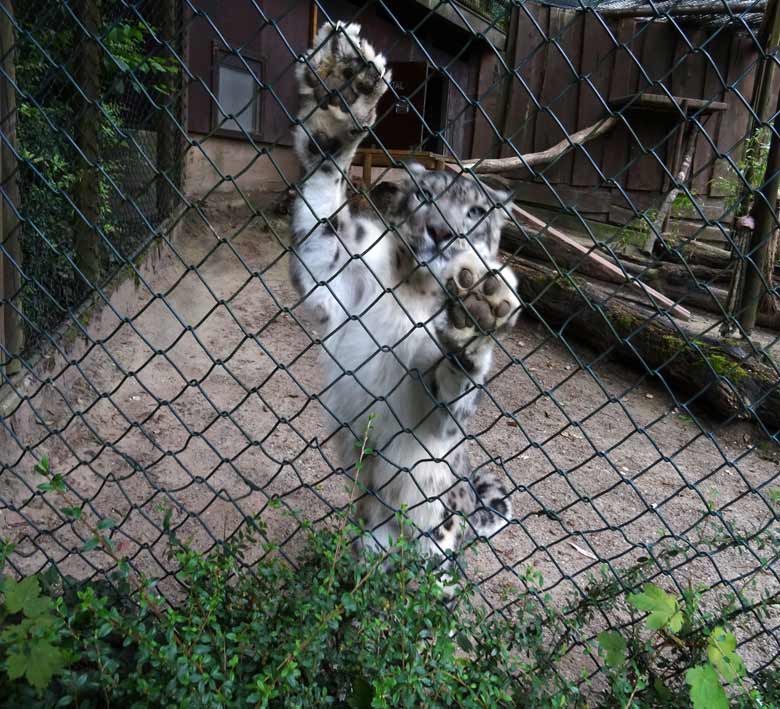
x=239 y=109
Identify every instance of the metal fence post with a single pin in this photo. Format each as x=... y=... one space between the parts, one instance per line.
x=11 y=332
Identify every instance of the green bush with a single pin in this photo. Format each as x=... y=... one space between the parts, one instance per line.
x=339 y=630
x=48 y=104
x=359 y=631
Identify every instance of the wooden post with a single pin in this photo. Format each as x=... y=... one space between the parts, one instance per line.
x=765 y=219
x=168 y=132
x=11 y=332
x=764 y=210
x=313 y=22
x=682 y=166
x=87 y=192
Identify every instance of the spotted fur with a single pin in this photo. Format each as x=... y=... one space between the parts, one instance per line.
x=408 y=292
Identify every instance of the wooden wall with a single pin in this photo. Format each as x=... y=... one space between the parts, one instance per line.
x=570 y=64
x=225 y=24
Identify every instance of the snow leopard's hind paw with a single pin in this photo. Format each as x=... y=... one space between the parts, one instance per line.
x=340 y=83
x=493 y=506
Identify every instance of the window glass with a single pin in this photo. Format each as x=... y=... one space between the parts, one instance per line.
x=238 y=96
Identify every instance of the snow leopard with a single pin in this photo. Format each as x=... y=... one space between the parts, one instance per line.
x=407 y=296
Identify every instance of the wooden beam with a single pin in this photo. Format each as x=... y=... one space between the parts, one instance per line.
x=675 y=9
x=610 y=272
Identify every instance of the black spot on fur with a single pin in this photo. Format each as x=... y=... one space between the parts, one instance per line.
x=482 y=488
x=327 y=168
x=499 y=506
x=360 y=288
x=452 y=431
x=435 y=389
x=321 y=143
x=448 y=524
x=464 y=361
x=438 y=534
x=360 y=233
x=297 y=281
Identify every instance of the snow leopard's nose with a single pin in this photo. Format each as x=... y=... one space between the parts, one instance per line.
x=439 y=232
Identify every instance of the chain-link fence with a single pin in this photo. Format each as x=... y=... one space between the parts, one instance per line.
x=159 y=356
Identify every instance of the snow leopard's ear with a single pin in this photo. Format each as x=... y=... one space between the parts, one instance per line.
x=385 y=196
x=497 y=189
x=414 y=168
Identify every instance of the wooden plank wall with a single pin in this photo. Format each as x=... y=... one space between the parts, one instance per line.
x=568 y=64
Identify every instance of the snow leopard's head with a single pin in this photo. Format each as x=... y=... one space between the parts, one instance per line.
x=443 y=212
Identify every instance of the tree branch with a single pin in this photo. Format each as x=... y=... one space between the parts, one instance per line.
x=497 y=165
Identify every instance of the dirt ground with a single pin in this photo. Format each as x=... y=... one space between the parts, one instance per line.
x=201 y=400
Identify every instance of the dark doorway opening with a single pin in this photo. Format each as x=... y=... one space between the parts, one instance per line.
x=410 y=118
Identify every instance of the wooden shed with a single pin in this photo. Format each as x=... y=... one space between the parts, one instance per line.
x=242 y=57
x=573 y=66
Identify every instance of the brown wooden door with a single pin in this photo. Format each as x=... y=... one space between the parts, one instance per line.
x=400 y=125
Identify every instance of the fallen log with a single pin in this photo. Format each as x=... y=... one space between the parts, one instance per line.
x=606 y=265
x=723 y=377
x=700 y=293
x=677 y=272
x=697 y=252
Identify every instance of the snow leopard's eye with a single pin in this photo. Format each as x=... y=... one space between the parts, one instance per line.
x=476 y=213
x=424 y=195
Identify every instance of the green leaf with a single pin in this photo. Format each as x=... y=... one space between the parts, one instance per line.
x=106 y=523
x=91 y=544
x=74 y=512
x=37 y=606
x=721 y=651
x=15 y=665
x=42 y=466
x=39 y=666
x=614 y=645
x=18 y=594
x=662 y=606
x=706 y=689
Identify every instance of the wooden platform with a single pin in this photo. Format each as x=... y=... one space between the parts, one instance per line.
x=370 y=158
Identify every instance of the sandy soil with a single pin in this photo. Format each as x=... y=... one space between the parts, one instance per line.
x=202 y=401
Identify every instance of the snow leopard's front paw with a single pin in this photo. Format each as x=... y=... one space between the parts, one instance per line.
x=340 y=83
x=484 y=299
